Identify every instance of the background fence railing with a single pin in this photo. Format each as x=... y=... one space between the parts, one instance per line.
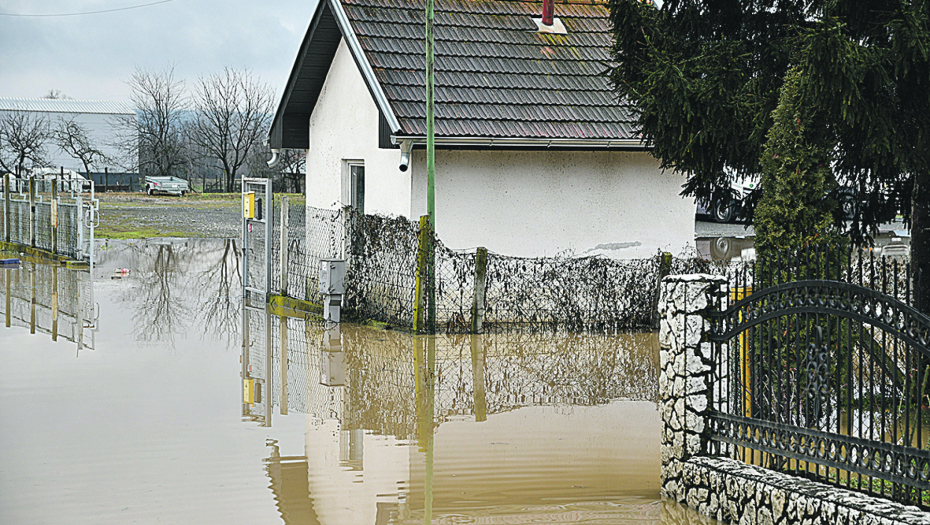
x=57 y=215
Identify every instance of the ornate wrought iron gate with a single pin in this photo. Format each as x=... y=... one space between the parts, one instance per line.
x=828 y=380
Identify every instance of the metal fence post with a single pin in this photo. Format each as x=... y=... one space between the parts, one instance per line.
x=79 y=217
x=269 y=222
x=54 y=218
x=32 y=212
x=6 y=207
x=481 y=278
x=284 y=255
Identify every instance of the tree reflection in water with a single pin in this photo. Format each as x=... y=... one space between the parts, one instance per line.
x=180 y=286
x=219 y=290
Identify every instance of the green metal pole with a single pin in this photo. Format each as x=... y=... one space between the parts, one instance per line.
x=430 y=132
x=430 y=162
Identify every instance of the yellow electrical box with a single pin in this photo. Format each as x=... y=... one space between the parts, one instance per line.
x=248 y=205
x=745 y=362
x=248 y=391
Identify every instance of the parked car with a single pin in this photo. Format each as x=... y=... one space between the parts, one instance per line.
x=726 y=205
x=725 y=248
x=170 y=185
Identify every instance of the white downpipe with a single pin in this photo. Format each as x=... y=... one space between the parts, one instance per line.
x=274 y=158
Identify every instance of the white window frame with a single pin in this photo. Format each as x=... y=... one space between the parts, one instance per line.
x=350 y=184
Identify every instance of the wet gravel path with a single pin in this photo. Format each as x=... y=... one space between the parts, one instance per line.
x=169 y=216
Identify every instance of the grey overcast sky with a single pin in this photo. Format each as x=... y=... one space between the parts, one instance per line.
x=91 y=56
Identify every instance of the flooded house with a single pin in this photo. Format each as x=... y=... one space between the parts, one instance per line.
x=535 y=156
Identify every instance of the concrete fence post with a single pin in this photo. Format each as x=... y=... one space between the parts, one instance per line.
x=665 y=268
x=481 y=280
x=685 y=366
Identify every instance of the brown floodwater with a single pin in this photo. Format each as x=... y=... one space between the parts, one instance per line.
x=131 y=396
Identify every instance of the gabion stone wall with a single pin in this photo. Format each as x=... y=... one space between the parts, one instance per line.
x=735 y=492
x=727 y=489
x=684 y=396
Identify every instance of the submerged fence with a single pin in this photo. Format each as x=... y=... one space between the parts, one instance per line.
x=589 y=294
x=57 y=215
x=592 y=294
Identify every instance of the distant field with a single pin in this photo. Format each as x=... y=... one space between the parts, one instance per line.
x=139 y=216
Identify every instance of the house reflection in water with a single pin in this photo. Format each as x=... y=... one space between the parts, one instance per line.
x=404 y=429
x=51 y=299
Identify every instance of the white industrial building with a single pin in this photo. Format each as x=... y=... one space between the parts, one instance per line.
x=103 y=121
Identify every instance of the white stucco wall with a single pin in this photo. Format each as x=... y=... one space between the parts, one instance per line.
x=344 y=126
x=518 y=203
x=532 y=204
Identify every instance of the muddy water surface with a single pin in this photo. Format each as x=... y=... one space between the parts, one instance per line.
x=134 y=398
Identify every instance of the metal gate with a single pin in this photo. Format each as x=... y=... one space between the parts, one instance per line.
x=257 y=227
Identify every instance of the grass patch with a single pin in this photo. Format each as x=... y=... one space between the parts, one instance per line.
x=135 y=232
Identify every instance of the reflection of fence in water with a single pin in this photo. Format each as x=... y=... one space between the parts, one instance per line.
x=476 y=375
x=63 y=301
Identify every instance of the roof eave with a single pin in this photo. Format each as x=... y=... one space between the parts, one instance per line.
x=528 y=143
x=368 y=73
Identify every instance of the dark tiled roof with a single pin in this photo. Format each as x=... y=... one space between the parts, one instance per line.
x=496 y=76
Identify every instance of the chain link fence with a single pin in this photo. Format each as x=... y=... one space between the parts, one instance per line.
x=57 y=219
x=313 y=235
x=591 y=294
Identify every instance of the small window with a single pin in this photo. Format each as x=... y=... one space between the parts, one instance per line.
x=354 y=185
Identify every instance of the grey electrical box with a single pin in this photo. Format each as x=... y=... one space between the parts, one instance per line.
x=332 y=276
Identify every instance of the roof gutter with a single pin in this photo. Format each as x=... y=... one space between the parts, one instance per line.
x=342 y=20
x=491 y=142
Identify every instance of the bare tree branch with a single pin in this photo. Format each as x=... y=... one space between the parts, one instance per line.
x=155 y=143
x=72 y=138
x=233 y=112
x=23 y=136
